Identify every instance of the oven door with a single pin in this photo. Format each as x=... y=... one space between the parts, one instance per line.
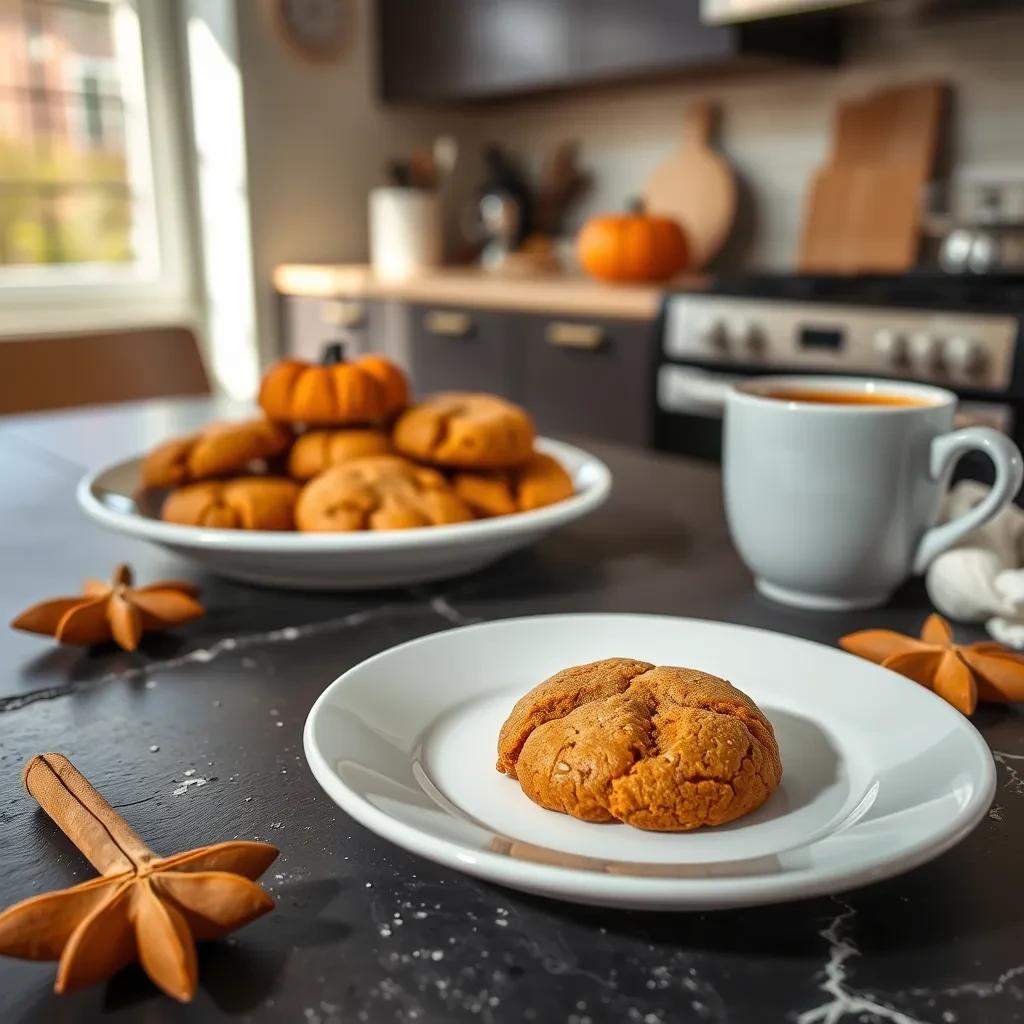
x=689 y=405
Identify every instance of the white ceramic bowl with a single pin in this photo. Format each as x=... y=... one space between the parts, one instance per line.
x=346 y=561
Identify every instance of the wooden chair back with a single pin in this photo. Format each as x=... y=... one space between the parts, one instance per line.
x=91 y=369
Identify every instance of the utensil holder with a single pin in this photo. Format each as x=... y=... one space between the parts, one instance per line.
x=405 y=232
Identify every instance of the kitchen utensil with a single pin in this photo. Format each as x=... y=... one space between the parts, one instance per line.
x=446 y=156
x=879 y=775
x=561 y=183
x=499 y=222
x=505 y=180
x=422 y=169
x=696 y=187
x=399 y=174
x=832 y=506
x=344 y=561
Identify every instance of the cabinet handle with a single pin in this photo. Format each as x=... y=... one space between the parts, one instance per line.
x=449 y=325
x=343 y=314
x=569 y=335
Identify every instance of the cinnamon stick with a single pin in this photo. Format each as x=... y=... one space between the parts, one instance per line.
x=142 y=906
x=107 y=840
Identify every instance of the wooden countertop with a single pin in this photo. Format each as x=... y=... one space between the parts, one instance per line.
x=470 y=286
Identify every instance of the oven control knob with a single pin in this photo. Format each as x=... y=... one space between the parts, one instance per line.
x=925 y=352
x=963 y=354
x=747 y=337
x=754 y=340
x=891 y=346
x=711 y=334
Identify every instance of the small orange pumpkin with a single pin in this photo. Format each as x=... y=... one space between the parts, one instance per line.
x=334 y=392
x=633 y=246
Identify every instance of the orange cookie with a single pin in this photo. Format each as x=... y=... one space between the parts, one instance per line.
x=662 y=748
x=217 y=450
x=318 y=450
x=539 y=481
x=245 y=503
x=378 y=492
x=465 y=431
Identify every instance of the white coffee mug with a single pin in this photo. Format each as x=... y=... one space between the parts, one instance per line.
x=832 y=490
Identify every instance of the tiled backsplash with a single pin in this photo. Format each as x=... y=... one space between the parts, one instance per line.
x=775 y=124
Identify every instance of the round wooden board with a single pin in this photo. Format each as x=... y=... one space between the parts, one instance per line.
x=696 y=187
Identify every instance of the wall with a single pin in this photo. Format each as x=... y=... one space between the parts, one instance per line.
x=775 y=124
x=318 y=140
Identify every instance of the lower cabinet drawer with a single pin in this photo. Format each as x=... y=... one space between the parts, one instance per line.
x=589 y=377
x=307 y=324
x=454 y=349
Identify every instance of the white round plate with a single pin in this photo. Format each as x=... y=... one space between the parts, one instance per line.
x=879 y=775
x=346 y=561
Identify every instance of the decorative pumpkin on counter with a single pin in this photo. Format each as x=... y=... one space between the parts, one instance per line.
x=632 y=246
x=334 y=392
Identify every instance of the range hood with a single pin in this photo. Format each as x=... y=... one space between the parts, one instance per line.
x=727 y=12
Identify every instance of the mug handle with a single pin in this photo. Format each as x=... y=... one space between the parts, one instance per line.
x=946 y=449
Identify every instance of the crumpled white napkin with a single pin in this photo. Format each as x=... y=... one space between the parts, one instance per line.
x=982 y=578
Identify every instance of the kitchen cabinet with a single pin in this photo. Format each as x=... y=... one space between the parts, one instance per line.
x=447 y=49
x=473 y=49
x=445 y=348
x=615 y=38
x=588 y=377
x=310 y=323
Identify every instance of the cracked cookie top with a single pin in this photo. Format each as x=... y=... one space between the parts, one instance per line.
x=465 y=431
x=244 y=503
x=539 y=481
x=378 y=492
x=657 y=747
x=218 y=449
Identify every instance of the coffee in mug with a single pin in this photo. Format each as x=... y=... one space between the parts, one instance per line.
x=833 y=485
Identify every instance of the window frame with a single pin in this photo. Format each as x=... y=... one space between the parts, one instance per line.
x=84 y=296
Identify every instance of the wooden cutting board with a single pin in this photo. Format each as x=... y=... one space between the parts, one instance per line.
x=696 y=187
x=862 y=218
x=863 y=210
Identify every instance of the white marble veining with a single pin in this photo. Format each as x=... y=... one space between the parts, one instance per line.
x=845 y=1001
x=1014 y=778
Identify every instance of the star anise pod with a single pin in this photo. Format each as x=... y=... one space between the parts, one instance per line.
x=962 y=674
x=142 y=907
x=113 y=611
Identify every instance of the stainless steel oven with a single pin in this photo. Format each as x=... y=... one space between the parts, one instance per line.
x=959 y=333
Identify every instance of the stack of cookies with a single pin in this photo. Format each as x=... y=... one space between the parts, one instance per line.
x=339 y=448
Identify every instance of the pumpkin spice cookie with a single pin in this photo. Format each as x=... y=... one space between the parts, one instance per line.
x=661 y=748
x=378 y=492
x=217 y=450
x=539 y=481
x=245 y=503
x=317 y=450
x=464 y=430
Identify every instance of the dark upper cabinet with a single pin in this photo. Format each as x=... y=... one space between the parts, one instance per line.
x=613 y=38
x=453 y=49
x=473 y=49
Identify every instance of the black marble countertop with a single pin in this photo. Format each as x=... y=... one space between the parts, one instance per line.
x=366 y=932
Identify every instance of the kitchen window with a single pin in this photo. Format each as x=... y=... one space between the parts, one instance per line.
x=94 y=218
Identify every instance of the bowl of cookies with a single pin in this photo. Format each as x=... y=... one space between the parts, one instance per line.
x=343 y=482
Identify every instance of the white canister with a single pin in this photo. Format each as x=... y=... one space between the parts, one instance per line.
x=405 y=231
